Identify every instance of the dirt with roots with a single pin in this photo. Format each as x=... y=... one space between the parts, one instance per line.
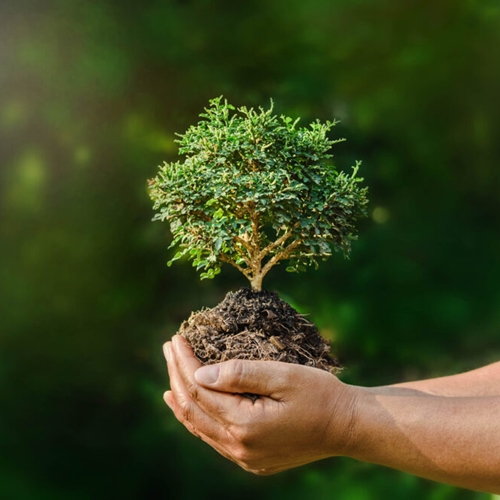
x=256 y=325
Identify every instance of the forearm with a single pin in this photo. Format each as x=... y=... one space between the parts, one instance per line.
x=452 y=440
x=481 y=382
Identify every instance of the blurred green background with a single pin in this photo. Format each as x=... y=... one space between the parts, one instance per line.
x=91 y=94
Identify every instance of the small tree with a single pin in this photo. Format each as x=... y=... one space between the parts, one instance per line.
x=254 y=190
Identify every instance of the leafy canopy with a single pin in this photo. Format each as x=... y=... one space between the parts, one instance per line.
x=255 y=189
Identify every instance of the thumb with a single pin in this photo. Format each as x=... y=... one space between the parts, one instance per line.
x=265 y=378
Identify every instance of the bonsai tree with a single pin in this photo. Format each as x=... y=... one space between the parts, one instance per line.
x=255 y=189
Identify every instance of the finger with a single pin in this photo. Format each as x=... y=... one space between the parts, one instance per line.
x=222 y=407
x=218 y=445
x=167 y=351
x=169 y=399
x=179 y=385
x=185 y=407
x=185 y=357
x=265 y=378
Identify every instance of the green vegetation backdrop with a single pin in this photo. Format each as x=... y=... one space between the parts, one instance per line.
x=91 y=93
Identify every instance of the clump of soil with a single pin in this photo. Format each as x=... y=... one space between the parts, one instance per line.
x=256 y=325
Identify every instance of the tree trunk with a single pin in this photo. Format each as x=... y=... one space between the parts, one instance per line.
x=256 y=282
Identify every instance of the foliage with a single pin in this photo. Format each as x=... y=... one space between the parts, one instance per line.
x=254 y=190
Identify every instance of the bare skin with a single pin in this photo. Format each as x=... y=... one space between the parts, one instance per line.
x=445 y=429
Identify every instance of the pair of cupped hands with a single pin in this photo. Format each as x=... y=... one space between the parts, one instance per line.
x=302 y=414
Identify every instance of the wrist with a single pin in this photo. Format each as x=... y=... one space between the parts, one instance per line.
x=344 y=420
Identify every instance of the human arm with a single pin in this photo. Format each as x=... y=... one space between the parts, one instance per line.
x=484 y=381
x=447 y=439
x=481 y=382
x=305 y=414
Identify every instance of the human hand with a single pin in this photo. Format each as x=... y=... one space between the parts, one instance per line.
x=303 y=414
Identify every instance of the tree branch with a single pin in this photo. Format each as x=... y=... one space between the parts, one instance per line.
x=242 y=242
x=285 y=254
x=247 y=272
x=278 y=242
x=239 y=251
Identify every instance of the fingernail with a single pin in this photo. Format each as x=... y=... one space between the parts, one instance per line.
x=207 y=375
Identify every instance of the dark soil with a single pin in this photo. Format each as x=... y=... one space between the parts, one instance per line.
x=249 y=324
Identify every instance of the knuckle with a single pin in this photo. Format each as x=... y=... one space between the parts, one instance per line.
x=187 y=419
x=193 y=389
x=287 y=376
x=237 y=371
x=185 y=409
